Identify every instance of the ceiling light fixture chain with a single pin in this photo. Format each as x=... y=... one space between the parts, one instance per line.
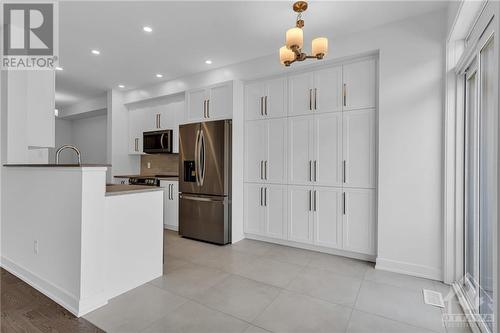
x=292 y=51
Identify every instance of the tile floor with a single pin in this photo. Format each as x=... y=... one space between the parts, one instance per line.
x=255 y=286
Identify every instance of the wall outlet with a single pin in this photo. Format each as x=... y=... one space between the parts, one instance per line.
x=35 y=246
x=149 y=165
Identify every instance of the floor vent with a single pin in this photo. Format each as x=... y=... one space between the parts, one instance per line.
x=432 y=297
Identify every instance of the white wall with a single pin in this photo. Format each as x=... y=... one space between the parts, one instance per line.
x=411 y=100
x=87 y=134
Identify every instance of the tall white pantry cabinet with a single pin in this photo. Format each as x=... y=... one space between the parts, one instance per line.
x=310 y=158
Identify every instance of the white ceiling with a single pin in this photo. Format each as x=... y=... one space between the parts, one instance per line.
x=185 y=34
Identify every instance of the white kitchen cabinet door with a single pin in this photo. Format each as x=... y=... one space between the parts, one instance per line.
x=274 y=147
x=254 y=93
x=255 y=150
x=40 y=108
x=136 y=128
x=171 y=204
x=300 y=150
x=220 y=101
x=360 y=84
x=359 y=148
x=171 y=115
x=274 y=98
x=327 y=94
x=300 y=217
x=195 y=104
x=300 y=94
x=274 y=211
x=328 y=216
x=327 y=162
x=254 y=209
x=359 y=221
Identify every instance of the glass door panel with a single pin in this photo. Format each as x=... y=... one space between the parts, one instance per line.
x=487 y=181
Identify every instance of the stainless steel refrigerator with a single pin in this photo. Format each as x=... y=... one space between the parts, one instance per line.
x=205 y=181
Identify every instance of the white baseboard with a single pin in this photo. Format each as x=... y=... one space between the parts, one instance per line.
x=77 y=307
x=401 y=267
x=171 y=227
x=311 y=247
x=58 y=295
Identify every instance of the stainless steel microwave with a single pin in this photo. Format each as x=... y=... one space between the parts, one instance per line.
x=157 y=142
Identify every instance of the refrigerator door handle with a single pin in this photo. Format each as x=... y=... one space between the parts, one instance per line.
x=203 y=199
x=202 y=158
x=196 y=156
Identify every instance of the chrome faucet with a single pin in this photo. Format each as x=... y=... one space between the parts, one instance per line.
x=78 y=154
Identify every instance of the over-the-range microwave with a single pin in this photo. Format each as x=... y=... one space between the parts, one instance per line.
x=157 y=142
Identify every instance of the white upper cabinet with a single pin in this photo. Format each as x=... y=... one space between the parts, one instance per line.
x=220 y=101
x=328 y=216
x=327 y=93
x=137 y=124
x=265 y=99
x=360 y=84
x=212 y=103
x=196 y=104
x=265 y=151
x=318 y=91
x=300 y=150
x=359 y=221
x=359 y=148
x=327 y=161
x=300 y=91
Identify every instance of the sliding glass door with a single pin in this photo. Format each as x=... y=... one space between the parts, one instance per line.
x=480 y=178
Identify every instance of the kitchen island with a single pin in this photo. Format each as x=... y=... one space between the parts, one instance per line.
x=75 y=239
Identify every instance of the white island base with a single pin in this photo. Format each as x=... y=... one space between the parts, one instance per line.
x=65 y=236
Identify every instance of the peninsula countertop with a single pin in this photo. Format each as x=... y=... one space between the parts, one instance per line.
x=72 y=165
x=161 y=177
x=117 y=189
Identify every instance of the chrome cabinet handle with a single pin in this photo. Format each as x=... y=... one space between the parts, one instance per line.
x=136 y=144
x=315 y=98
x=265 y=170
x=204 y=108
x=343 y=171
x=310 y=170
x=345 y=94
x=315 y=200
x=265 y=196
x=310 y=200
x=159 y=120
x=261 y=172
x=208 y=108
x=261 y=196
x=310 y=99
x=261 y=107
x=343 y=198
x=315 y=169
x=171 y=188
x=265 y=105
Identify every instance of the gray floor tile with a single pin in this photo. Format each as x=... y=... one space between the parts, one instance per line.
x=252 y=246
x=172 y=263
x=255 y=329
x=400 y=280
x=135 y=309
x=400 y=304
x=273 y=272
x=190 y=280
x=362 y=322
x=326 y=285
x=196 y=318
x=239 y=296
x=292 y=312
x=290 y=255
x=340 y=265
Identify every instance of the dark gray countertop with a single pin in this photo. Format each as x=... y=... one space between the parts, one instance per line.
x=115 y=189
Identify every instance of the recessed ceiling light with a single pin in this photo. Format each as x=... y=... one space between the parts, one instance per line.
x=59 y=68
x=121 y=86
x=159 y=75
x=208 y=62
x=56 y=112
x=147 y=29
x=96 y=52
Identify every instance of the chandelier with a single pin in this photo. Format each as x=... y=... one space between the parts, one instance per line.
x=292 y=51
